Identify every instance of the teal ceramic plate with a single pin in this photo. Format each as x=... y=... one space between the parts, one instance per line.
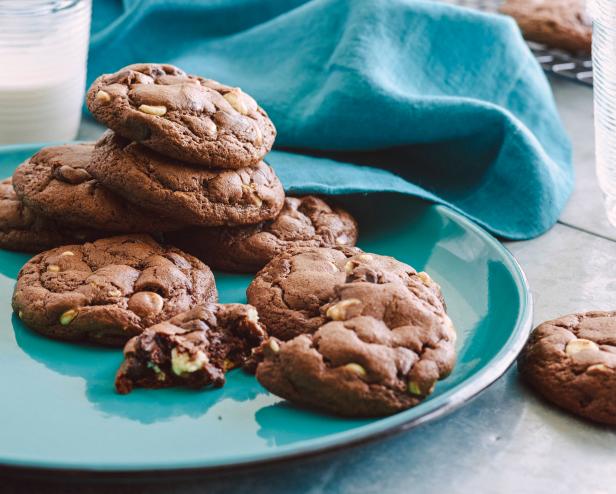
x=59 y=410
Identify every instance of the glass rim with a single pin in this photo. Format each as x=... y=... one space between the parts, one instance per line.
x=41 y=7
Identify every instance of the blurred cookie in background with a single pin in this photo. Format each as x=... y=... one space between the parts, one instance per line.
x=557 y=23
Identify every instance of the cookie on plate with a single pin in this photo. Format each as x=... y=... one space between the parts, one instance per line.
x=384 y=341
x=23 y=230
x=193 y=349
x=196 y=196
x=557 y=23
x=110 y=290
x=183 y=116
x=55 y=183
x=303 y=222
x=291 y=291
x=571 y=361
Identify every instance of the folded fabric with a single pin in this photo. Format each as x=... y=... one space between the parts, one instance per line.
x=414 y=97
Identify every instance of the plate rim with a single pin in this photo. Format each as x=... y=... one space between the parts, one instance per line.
x=385 y=427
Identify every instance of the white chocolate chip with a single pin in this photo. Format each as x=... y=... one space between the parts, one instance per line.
x=153 y=366
x=333 y=267
x=67 y=253
x=157 y=111
x=274 y=346
x=425 y=278
x=236 y=100
x=252 y=315
x=20 y=314
x=598 y=368
x=54 y=268
x=339 y=311
x=254 y=197
x=451 y=329
x=181 y=363
x=365 y=257
x=342 y=239
x=356 y=368
x=210 y=126
x=579 y=345
x=146 y=303
x=67 y=317
x=160 y=375
x=258 y=135
x=350 y=266
x=102 y=97
x=114 y=292
x=414 y=388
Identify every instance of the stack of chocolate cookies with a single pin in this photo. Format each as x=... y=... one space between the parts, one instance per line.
x=184 y=148
x=181 y=168
x=183 y=161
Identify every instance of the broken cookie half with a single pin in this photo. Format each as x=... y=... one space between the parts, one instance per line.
x=193 y=349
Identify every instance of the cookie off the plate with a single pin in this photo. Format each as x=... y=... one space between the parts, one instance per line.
x=571 y=361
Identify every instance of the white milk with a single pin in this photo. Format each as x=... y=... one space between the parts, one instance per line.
x=43 y=50
x=603 y=13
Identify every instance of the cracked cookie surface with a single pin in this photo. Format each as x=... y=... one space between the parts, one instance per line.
x=183 y=116
x=291 y=291
x=56 y=184
x=303 y=222
x=197 y=196
x=557 y=23
x=571 y=361
x=193 y=349
x=109 y=290
x=376 y=336
x=23 y=230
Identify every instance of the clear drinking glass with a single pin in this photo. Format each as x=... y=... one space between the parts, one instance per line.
x=43 y=52
x=603 y=13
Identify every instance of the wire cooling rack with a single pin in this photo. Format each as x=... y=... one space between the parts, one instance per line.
x=561 y=63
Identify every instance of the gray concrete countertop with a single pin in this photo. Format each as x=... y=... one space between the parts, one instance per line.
x=506 y=440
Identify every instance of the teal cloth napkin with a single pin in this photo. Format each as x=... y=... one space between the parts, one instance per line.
x=404 y=96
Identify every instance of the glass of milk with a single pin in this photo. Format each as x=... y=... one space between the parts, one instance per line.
x=43 y=52
x=603 y=13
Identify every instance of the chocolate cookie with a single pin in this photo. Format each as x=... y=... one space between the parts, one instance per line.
x=197 y=196
x=192 y=349
x=557 y=23
x=55 y=183
x=571 y=361
x=110 y=290
x=291 y=291
x=183 y=116
x=303 y=222
x=383 y=338
x=23 y=230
